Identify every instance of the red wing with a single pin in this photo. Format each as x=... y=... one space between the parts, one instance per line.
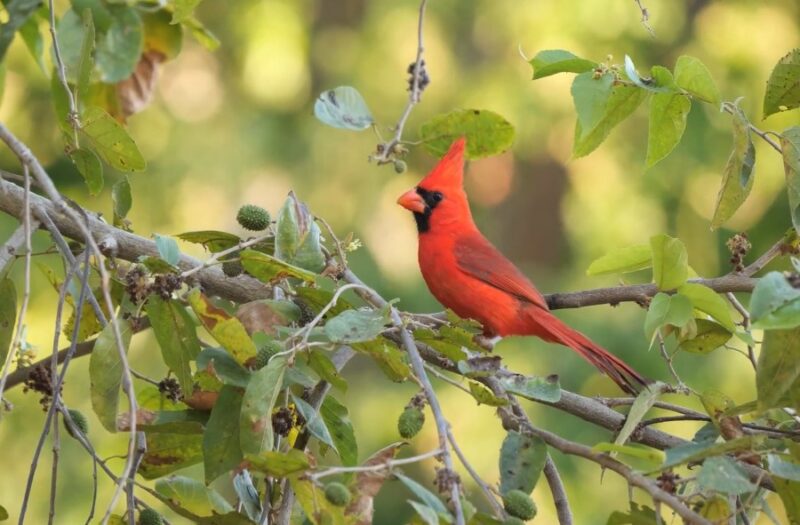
x=477 y=257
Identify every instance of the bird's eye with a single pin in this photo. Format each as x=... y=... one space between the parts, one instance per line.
x=437 y=196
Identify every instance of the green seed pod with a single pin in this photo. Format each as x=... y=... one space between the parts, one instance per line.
x=253 y=218
x=400 y=166
x=519 y=504
x=410 y=422
x=80 y=421
x=265 y=352
x=150 y=517
x=232 y=268
x=337 y=494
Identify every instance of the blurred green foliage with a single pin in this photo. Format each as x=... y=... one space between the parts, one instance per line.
x=235 y=126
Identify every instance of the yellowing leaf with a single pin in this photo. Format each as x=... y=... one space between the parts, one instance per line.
x=737 y=179
x=110 y=140
x=487 y=133
x=227 y=330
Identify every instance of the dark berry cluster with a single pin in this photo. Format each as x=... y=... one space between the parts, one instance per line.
x=170 y=388
x=738 y=245
x=282 y=421
x=138 y=284
x=165 y=284
x=421 y=75
x=41 y=380
x=668 y=481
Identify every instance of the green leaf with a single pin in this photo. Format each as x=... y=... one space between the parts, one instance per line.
x=622 y=102
x=176 y=336
x=320 y=363
x=168 y=249
x=316 y=507
x=723 y=475
x=667 y=123
x=314 y=422
x=206 y=38
x=3 y=513
x=778 y=373
x=487 y=133
x=693 y=76
x=709 y=337
x=790 y=146
x=338 y=422
x=522 y=459
x=708 y=301
x=623 y=260
x=425 y=495
x=279 y=464
x=449 y=349
x=17 y=12
x=641 y=405
x=183 y=9
x=110 y=140
x=222 y=365
x=227 y=330
x=270 y=270
x=121 y=45
x=90 y=168
x=357 y=326
x=784 y=469
x=192 y=495
x=167 y=453
x=121 y=198
x=553 y=61
x=484 y=396
x=545 y=389
x=651 y=457
x=161 y=35
x=297 y=237
x=737 y=179
x=783 y=86
x=105 y=373
x=390 y=359
x=221 y=449
x=789 y=491
x=591 y=96
x=661 y=81
x=175 y=422
x=674 y=310
x=344 y=108
x=670 y=262
x=775 y=304
x=425 y=513
x=212 y=240
x=643 y=515
x=255 y=422
x=32 y=36
x=8 y=316
x=694 y=452
x=86 y=62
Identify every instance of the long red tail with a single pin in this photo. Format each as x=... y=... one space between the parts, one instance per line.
x=554 y=330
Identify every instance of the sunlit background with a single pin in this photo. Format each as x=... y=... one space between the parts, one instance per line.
x=236 y=126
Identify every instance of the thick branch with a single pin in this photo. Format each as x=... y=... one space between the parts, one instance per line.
x=130 y=246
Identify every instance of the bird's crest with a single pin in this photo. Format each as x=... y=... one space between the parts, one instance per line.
x=449 y=172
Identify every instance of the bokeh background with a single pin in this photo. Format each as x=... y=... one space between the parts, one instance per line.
x=236 y=126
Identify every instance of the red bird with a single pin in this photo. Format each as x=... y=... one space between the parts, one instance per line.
x=469 y=275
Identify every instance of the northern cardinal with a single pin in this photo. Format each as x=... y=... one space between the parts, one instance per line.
x=470 y=276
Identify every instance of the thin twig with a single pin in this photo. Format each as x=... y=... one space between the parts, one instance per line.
x=62 y=77
x=388 y=465
x=487 y=492
x=729 y=107
x=645 y=17
x=560 y=499
x=418 y=367
x=751 y=355
x=386 y=151
x=27 y=232
x=764 y=259
x=218 y=255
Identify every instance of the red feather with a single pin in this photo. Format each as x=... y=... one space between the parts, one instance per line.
x=467 y=274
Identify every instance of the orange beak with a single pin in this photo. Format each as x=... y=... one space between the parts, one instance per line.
x=412 y=201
